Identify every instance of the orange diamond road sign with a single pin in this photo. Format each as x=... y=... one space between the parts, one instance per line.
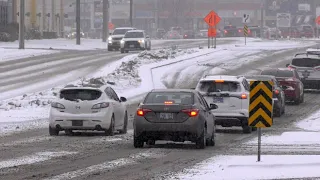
x=318 y=20
x=110 y=25
x=212 y=32
x=212 y=19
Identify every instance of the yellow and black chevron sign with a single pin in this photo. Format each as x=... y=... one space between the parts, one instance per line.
x=261 y=104
x=245 y=30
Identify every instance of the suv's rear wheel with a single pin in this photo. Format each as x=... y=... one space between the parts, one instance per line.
x=302 y=98
x=125 y=124
x=246 y=129
x=211 y=141
x=122 y=50
x=110 y=131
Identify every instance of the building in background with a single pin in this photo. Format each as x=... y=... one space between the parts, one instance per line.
x=4 y=13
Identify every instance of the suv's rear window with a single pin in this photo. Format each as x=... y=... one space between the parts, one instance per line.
x=278 y=73
x=212 y=86
x=174 y=97
x=134 y=35
x=80 y=94
x=120 y=31
x=305 y=62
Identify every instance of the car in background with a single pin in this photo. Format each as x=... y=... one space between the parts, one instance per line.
x=88 y=108
x=116 y=36
x=278 y=95
x=308 y=67
x=73 y=34
x=230 y=93
x=290 y=83
x=173 y=35
x=232 y=31
x=306 y=31
x=313 y=51
x=160 y=33
x=203 y=33
x=189 y=34
x=135 y=40
x=174 y=115
x=178 y=29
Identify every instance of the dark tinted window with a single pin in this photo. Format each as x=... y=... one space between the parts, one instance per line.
x=134 y=35
x=307 y=28
x=80 y=94
x=175 y=97
x=278 y=73
x=212 y=86
x=120 y=31
x=305 y=62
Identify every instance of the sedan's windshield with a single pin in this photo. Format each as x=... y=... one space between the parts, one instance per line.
x=134 y=35
x=306 y=62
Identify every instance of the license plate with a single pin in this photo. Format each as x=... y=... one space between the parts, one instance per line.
x=218 y=99
x=132 y=46
x=166 y=115
x=77 y=123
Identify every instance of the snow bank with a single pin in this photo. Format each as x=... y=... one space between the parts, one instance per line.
x=311 y=123
x=247 y=168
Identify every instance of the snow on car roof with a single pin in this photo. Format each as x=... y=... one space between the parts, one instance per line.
x=222 y=77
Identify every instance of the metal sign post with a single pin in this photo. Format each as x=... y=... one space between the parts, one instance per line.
x=245 y=33
x=259 y=144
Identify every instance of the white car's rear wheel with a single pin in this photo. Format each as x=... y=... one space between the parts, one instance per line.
x=110 y=131
x=53 y=131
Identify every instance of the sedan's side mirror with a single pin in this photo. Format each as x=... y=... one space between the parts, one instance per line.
x=287 y=65
x=213 y=106
x=148 y=37
x=123 y=99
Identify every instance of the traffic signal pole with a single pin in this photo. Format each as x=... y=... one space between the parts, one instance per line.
x=131 y=9
x=78 y=21
x=105 y=21
x=21 y=25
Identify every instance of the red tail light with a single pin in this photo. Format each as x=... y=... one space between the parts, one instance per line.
x=249 y=31
x=317 y=68
x=191 y=112
x=239 y=30
x=225 y=31
x=244 y=96
x=143 y=112
x=276 y=91
x=291 y=67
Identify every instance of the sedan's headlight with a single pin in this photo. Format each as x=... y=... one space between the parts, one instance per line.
x=122 y=41
x=110 y=38
x=141 y=41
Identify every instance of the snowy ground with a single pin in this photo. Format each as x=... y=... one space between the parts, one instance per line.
x=133 y=75
x=311 y=123
x=277 y=166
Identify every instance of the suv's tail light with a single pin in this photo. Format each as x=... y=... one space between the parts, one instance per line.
x=225 y=31
x=291 y=67
x=276 y=92
x=100 y=105
x=191 y=112
x=239 y=30
x=57 y=105
x=244 y=96
x=317 y=68
x=143 y=112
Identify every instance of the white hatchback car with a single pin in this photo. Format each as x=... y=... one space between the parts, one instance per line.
x=88 y=108
x=231 y=94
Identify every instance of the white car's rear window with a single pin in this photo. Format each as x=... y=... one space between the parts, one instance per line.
x=80 y=94
x=305 y=62
x=212 y=86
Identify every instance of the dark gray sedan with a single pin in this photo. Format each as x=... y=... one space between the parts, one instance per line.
x=174 y=115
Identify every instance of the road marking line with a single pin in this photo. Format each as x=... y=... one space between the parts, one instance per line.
x=32 y=159
x=109 y=165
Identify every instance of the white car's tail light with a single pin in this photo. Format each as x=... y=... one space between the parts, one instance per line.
x=100 y=105
x=57 y=105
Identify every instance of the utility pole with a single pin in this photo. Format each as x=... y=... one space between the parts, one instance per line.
x=61 y=20
x=21 y=25
x=156 y=15
x=53 y=24
x=105 y=21
x=78 y=21
x=43 y=16
x=262 y=19
x=131 y=9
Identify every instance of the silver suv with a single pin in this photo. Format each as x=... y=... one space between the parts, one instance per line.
x=116 y=37
x=231 y=94
x=135 y=40
x=308 y=67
